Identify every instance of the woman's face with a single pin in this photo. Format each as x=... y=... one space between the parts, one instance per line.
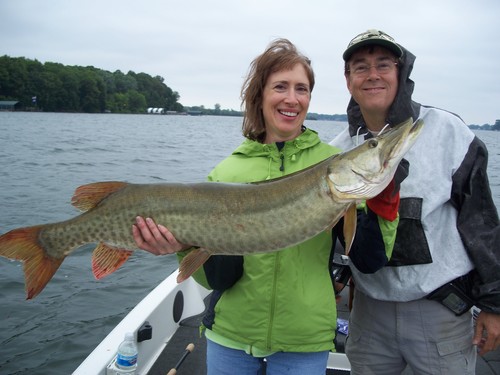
x=285 y=103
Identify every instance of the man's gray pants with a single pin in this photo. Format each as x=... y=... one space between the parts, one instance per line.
x=384 y=337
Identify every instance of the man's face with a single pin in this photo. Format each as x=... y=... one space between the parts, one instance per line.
x=372 y=80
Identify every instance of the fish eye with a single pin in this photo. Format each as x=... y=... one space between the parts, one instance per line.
x=372 y=143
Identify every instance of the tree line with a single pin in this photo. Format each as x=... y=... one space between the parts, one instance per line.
x=496 y=126
x=54 y=87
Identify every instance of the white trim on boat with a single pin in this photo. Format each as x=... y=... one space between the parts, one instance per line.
x=156 y=308
x=167 y=305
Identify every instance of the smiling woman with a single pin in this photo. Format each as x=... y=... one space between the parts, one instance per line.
x=255 y=288
x=276 y=95
x=285 y=104
x=284 y=71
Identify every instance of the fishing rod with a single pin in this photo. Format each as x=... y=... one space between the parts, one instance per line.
x=189 y=350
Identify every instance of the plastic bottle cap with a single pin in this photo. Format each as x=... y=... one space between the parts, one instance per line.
x=129 y=336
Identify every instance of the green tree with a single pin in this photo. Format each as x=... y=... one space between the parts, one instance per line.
x=136 y=102
x=14 y=87
x=217 y=109
x=89 y=93
x=70 y=89
x=82 y=89
x=118 y=103
x=496 y=126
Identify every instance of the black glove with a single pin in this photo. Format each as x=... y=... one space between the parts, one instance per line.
x=401 y=173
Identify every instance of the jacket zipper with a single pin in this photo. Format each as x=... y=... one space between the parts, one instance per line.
x=275 y=276
x=273 y=300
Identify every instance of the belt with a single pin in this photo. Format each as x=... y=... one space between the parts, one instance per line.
x=455 y=295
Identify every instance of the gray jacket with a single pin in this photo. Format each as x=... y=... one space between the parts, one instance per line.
x=449 y=224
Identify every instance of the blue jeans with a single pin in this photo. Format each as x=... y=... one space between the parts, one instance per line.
x=226 y=361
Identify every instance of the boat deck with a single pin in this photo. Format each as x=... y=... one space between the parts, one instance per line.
x=195 y=364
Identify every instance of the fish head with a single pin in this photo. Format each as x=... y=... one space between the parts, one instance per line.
x=364 y=171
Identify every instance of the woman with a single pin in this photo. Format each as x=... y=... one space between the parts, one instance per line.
x=279 y=306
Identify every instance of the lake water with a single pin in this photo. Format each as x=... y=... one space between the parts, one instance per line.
x=43 y=158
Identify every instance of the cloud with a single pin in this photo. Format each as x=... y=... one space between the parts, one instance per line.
x=203 y=48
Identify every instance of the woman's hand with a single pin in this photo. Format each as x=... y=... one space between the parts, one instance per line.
x=155 y=239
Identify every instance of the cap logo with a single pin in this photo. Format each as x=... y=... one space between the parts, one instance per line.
x=377 y=34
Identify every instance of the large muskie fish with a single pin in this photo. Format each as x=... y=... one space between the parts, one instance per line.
x=220 y=218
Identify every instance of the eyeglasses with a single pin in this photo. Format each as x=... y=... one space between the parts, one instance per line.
x=383 y=67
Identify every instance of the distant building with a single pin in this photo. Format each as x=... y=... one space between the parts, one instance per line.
x=156 y=110
x=8 y=105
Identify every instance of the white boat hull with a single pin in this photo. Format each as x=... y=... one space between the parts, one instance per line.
x=164 y=308
x=157 y=308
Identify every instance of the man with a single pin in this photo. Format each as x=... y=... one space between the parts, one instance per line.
x=415 y=311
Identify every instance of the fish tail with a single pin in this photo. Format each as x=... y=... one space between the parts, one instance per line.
x=191 y=262
x=22 y=244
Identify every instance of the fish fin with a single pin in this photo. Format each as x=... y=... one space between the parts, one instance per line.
x=22 y=244
x=350 y=222
x=107 y=259
x=90 y=195
x=191 y=262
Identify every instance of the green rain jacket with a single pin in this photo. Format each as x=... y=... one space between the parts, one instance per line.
x=284 y=300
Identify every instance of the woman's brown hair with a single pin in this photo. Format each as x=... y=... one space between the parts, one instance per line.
x=280 y=55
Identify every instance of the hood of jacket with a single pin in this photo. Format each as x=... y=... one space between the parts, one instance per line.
x=403 y=106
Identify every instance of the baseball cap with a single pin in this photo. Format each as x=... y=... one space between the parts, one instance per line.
x=372 y=37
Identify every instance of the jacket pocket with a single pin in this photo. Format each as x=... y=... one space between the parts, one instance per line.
x=411 y=246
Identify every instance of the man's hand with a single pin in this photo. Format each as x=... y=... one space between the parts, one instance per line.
x=487 y=334
x=156 y=239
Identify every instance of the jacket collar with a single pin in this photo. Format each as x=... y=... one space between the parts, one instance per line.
x=308 y=138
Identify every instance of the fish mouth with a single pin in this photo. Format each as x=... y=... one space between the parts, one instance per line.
x=398 y=144
x=366 y=187
x=372 y=164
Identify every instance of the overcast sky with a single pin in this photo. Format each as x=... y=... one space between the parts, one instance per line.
x=202 y=48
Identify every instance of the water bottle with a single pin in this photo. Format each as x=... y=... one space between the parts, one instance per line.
x=126 y=357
